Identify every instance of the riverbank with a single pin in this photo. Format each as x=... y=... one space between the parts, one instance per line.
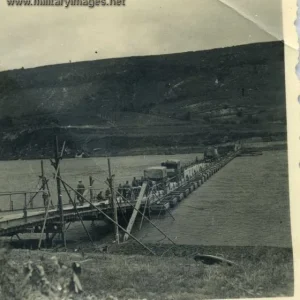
x=262 y=146
x=260 y=272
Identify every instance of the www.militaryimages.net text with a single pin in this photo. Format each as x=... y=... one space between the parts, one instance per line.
x=67 y=3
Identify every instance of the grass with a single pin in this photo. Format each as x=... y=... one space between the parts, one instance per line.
x=261 y=272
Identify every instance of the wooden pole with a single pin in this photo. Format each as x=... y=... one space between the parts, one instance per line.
x=74 y=204
x=144 y=212
x=47 y=207
x=25 y=206
x=113 y=201
x=11 y=203
x=43 y=174
x=60 y=205
x=44 y=223
x=136 y=210
x=143 y=215
x=91 y=191
x=109 y=218
x=43 y=181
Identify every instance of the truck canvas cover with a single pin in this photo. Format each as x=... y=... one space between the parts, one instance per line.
x=172 y=164
x=156 y=172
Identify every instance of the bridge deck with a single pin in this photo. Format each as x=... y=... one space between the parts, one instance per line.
x=15 y=221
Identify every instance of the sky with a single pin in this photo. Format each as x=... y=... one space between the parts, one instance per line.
x=35 y=36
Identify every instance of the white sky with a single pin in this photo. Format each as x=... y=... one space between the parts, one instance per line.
x=34 y=36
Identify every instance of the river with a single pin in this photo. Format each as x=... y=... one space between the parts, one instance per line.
x=245 y=204
x=23 y=175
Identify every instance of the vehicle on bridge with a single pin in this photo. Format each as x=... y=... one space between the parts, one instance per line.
x=211 y=154
x=174 y=169
x=237 y=146
x=157 y=176
x=156 y=173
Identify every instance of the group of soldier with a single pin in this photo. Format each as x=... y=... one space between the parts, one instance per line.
x=125 y=191
x=128 y=191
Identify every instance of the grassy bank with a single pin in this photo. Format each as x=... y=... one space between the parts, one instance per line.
x=262 y=146
x=260 y=272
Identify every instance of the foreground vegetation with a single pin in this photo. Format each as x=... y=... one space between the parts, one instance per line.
x=260 y=272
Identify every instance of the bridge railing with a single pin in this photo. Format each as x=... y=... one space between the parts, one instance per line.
x=31 y=200
x=28 y=200
x=14 y=201
x=35 y=200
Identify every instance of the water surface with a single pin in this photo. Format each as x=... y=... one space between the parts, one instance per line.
x=23 y=175
x=245 y=204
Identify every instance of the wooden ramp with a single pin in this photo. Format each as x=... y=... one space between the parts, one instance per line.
x=135 y=211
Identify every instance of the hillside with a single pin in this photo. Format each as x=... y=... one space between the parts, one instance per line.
x=186 y=99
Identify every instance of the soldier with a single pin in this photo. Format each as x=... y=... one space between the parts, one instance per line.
x=80 y=190
x=107 y=193
x=134 y=182
x=187 y=178
x=100 y=196
x=120 y=190
x=45 y=198
x=126 y=190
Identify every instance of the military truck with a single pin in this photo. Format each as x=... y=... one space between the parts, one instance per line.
x=211 y=154
x=174 y=169
x=155 y=173
x=158 y=175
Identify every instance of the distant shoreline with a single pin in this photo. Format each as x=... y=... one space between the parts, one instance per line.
x=263 y=146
